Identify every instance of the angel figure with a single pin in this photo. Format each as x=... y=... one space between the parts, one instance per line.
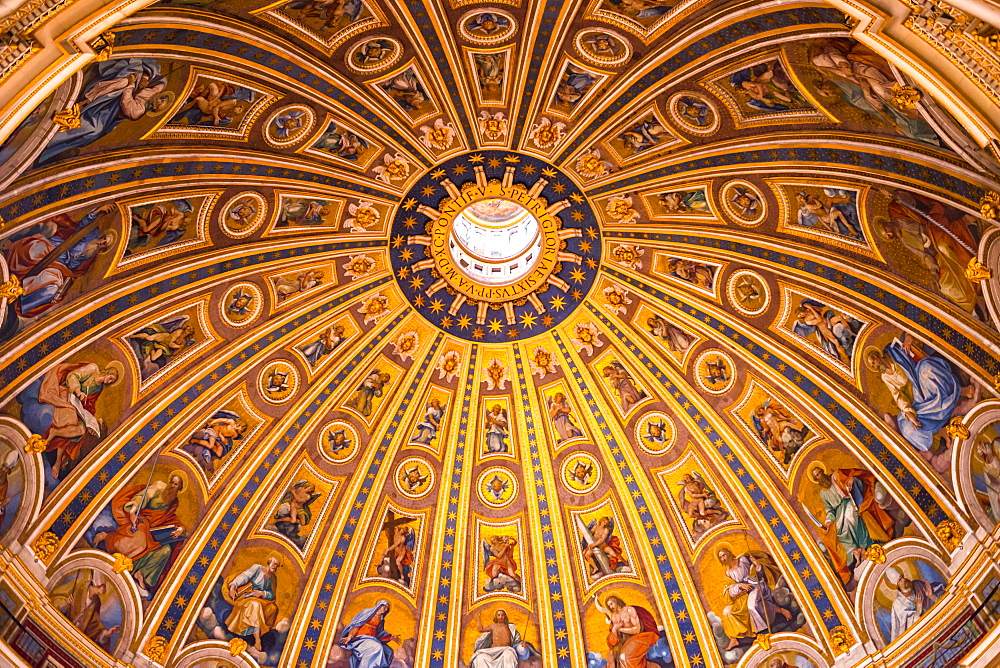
x=602 y=550
x=294 y=511
x=499 y=564
x=621 y=381
x=559 y=414
x=699 y=502
x=497 y=430
x=285 y=287
x=216 y=438
x=397 y=559
x=784 y=433
x=675 y=338
x=155 y=345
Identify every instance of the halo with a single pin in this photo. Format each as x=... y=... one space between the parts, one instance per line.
x=723 y=545
x=118 y=367
x=817 y=464
x=170 y=97
x=178 y=473
x=113 y=234
x=277 y=557
x=868 y=351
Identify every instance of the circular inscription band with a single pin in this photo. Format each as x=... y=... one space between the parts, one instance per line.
x=495 y=246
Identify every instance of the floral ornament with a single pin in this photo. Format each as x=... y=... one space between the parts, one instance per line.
x=496 y=376
x=493 y=126
x=156 y=649
x=542 y=362
x=616 y=299
x=621 y=210
x=989 y=205
x=45 y=546
x=406 y=345
x=375 y=308
x=358 y=266
x=590 y=165
x=586 y=337
x=439 y=137
x=905 y=97
x=394 y=168
x=447 y=365
x=627 y=255
x=546 y=134
x=364 y=215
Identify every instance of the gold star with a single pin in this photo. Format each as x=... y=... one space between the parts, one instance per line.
x=557 y=303
x=437 y=174
x=409 y=222
x=477 y=333
x=495 y=326
x=528 y=319
x=409 y=204
x=577 y=275
x=403 y=272
x=577 y=215
x=513 y=332
x=577 y=197
x=591 y=232
x=547 y=320
x=494 y=162
x=427 y=191
x=419 y=300
x=459 y=169
x=406 y=255
x=397 y=241
x=549 y=172
x=559 y=187
x=528 y=169
x=437 y=306
x=585 y=246
x=513 y=159
x=591 y=262
x=576 y=295
x=464 y=322
x=446 y=321
x=416 y=282
x=475 y=158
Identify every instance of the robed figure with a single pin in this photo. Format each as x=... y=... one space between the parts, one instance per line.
x=367 y=640
x=749 y=594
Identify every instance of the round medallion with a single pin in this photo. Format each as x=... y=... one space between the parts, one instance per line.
x=278 y=381
x=495 y=246
x=242 y=304
x=743 y=202
x=497 y=487
x=602 y=47
x=748 y=292
x=714 y=371
x=373 y=55
x=243 y=214
x=288 y=125
x=694 y=113
x=581 y=473
x=414 y=477
x=487 y=26
x=655 y=433
x=338 y=442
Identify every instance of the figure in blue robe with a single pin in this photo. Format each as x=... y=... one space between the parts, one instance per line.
x=125 y=88
x=366 y=639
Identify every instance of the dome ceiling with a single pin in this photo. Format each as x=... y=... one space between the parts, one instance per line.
x=619 y=334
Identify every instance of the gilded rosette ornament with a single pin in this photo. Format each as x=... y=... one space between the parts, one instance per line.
x=104 y=45
x=35 y=444
x=989 y=205
x=237 y=646
x=156 y=649
x=764 y=640
x=957 y=428
x=393 y=168
x=45 y=546
x=545 y=134
x=438 y=137
x=591 y=165
x=11 y=289
x=67 y=119
x=875 y=554
x=493 y=126
x=977 y=271
x=122 y=563
x=950 y=533
x=905 y=97
x=841 y=639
